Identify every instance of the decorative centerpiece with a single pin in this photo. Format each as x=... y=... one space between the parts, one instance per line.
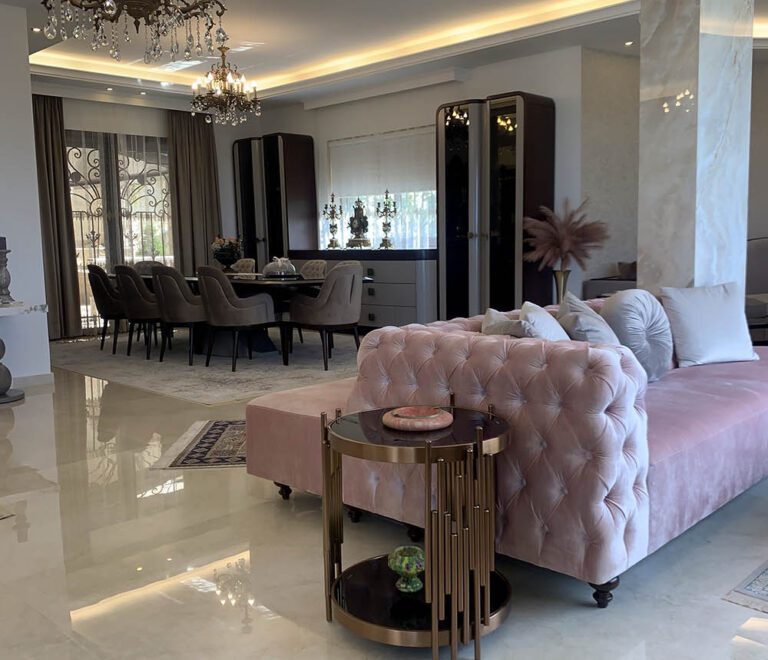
x=417 y=418
x=407 y=561
x=358 y=225
x=280 y=268
x=226 y=251
x=386 y=212
x=556 y=240
x=5 y=276
x=333 y=213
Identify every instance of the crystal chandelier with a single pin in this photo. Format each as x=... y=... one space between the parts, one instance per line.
x=225 y=94
x=456 y=116
x=169 y=25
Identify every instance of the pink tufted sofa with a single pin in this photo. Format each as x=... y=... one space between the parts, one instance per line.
x=602 y=469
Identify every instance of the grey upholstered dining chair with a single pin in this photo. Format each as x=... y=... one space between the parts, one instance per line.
x=244 y=266
x=336 y=307
x=140 y=305
x=145 y=267
x=179 y=307
x=225 y=310
x=314 y=269
x=108 y=303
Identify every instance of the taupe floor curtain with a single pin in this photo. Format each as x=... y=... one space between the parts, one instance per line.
x=194 y=182
x=59 y=252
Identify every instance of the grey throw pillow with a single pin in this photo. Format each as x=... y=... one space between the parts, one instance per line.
x=708 y=324
x=641 y=324
x=498 y=323
x=582 y=323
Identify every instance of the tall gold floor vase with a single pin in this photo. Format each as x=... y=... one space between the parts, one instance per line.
x=561 y=282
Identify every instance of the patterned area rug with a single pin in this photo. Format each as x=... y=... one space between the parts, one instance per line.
x=207 y=444
x=216 y=384
x=753 y=592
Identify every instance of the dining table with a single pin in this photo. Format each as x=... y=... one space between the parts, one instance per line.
x=281 y=289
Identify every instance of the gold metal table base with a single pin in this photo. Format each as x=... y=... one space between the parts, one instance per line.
x=462 y=592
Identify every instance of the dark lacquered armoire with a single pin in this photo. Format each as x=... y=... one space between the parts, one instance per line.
x=495 y=166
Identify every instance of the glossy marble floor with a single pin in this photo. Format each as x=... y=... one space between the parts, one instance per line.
x=108 y=559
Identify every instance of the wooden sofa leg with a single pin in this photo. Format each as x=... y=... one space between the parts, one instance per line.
x=354 y=514
x=603 y=594
x=285 y=491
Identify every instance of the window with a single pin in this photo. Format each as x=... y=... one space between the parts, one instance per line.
x=120 y=204
x=402 y=162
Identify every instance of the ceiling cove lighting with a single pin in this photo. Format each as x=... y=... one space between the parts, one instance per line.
x=168 y=25
x=225 y=95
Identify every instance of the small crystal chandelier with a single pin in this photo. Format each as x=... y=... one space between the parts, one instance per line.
x=225 y=94
x=456 y=116
x=169 y=25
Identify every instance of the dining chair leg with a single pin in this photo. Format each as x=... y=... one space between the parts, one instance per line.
x=151 y=330
x=131 y=326
x=115 y=333
x=154 y=333
x=163 y=341
x=324 y=341
x=356 y=333
x=104 y=333
x=211 y=339
x=250 y=343
x=235 y=346
x=285 y=332
x=301 y=335
x=330 y=345
x=191 y=345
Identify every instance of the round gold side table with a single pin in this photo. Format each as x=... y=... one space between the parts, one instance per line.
x=463 y=593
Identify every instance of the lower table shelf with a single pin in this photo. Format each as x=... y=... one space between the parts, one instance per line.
x=366 y=601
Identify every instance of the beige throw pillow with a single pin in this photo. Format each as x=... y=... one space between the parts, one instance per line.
x=543 y=324
x=708 y=324
x=582 y=323
x=498 y=323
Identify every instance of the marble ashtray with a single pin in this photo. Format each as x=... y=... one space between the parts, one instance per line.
x=417 y=418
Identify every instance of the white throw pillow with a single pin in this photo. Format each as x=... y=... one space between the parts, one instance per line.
x=708 y=324
x=543 y=324
x=582 y=323
x=498 y=323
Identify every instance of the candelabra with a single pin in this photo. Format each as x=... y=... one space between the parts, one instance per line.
x=233 y=587
x=332 y=213
x=5 y=276
x=386 y=212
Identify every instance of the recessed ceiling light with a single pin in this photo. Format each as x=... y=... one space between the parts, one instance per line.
x=37 y=29
x=629 y=43
x=109 y=89
x=143 y=93
x=166 y=84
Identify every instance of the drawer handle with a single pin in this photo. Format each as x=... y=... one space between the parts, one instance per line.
x=371 y=316
x=370 y=272
x=371 y=291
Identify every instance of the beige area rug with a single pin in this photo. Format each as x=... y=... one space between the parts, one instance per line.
x=213 y=385
x=207 y=444
x=752 y=592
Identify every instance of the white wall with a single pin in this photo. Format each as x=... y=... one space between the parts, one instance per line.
x=610 y=153
x=26 y=336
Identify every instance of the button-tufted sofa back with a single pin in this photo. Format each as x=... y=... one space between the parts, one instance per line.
x=571 y=488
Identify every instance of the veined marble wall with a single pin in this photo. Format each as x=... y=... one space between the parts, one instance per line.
x=695 y=93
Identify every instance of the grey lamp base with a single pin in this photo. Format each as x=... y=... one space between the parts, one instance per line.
x=11 y=396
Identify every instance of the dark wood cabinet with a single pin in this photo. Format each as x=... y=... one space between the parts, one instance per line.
x=496 y=160
x=276 y=198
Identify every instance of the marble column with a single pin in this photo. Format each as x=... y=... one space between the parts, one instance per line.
x=695 y=98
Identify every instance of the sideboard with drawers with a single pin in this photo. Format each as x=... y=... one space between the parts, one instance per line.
x=404 y=287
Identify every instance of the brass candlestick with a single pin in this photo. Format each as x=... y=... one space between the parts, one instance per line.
x=332 y=213
x=386 y=212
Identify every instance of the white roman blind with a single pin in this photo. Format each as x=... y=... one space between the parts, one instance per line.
x=402 y=162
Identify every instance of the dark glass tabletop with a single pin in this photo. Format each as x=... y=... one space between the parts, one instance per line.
x=367 y=592
x=364 y=435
